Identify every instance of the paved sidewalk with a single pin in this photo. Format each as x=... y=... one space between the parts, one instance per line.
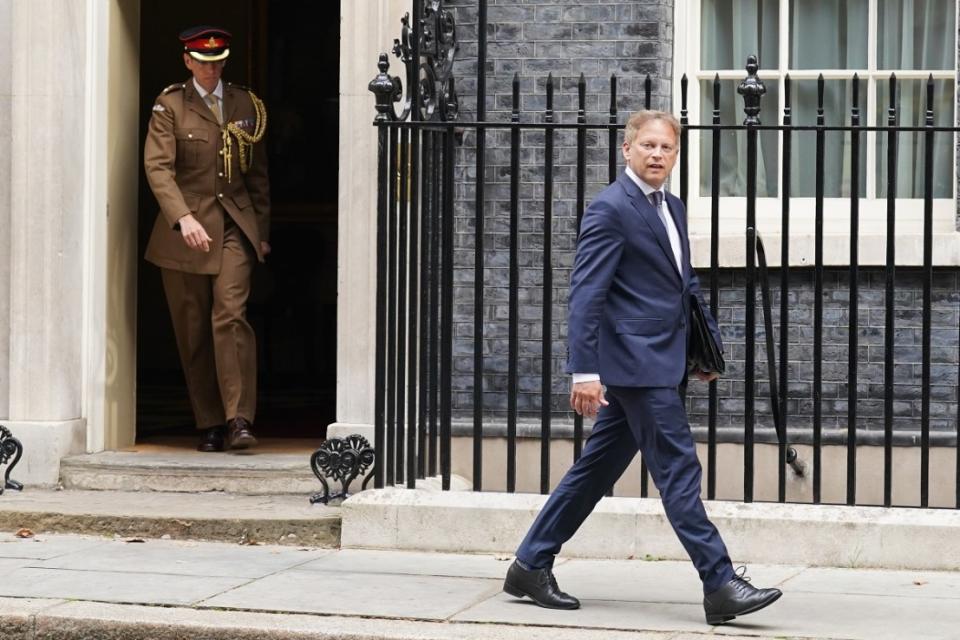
x=83 y=587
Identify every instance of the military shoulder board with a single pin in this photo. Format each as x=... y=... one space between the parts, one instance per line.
x=174 y=87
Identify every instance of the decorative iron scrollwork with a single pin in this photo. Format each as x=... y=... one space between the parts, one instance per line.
x=10 y=453
x=431 y=76
x=341 y=460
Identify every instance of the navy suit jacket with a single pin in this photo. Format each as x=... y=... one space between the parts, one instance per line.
x=629 y=308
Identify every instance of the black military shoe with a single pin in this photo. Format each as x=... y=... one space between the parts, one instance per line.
x=736 y=598
x=211 y=440
x=539 y=585
x=240 y=434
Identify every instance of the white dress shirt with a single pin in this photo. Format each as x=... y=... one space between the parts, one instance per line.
x=218 y=91
x=672 y=234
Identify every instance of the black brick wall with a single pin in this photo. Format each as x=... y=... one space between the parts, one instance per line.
x=908 y=300
x=532 y=39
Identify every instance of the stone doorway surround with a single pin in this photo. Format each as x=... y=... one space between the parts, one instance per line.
x=69 y=117
x=368 y=27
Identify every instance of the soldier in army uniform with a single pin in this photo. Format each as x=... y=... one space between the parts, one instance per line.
x=206 y=164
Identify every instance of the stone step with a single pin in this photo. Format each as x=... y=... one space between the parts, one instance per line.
x=273 y=519
x=255 y=473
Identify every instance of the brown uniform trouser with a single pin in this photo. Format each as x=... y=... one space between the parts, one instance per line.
x=217 y=346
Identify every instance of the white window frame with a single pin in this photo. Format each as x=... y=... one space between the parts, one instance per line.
x=873 y=210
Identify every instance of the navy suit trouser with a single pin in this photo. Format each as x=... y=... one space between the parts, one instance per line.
x=653 y=421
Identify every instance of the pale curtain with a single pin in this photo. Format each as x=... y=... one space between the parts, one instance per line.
x=731 y=30
x=916 y=35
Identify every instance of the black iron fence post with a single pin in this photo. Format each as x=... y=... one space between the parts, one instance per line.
x=927 y=298
x=818 y=296
x=853 y=343
x=581 y=197
x=752 y=90
x=714 y=281
x=785 y=187
x=888 y=338
x=514 y=303
x=478 y=268
x=546 y=364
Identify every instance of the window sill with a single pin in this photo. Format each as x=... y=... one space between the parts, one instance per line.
x=872 y=249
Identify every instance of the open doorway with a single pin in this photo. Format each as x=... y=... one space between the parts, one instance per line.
x=287 y=52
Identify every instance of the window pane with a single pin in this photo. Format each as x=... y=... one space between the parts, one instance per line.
x=916 y=34
x=828 y=34
x=733 y=144
x=837 y=100
x=733 y=29
x=911 y=107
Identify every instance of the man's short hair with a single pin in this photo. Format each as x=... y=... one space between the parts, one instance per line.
x=639 y=118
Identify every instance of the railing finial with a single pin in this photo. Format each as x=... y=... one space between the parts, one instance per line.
x=387 y=90
x=752 y=89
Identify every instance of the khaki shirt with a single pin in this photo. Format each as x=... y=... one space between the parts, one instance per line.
x=184 y=162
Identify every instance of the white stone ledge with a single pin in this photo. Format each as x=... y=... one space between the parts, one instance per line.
x=812 y=535
x=872 y=249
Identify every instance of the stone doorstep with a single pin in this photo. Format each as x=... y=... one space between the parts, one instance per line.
x=192 y=472
x=278 y=519
x=768 y=533
x=23 y=619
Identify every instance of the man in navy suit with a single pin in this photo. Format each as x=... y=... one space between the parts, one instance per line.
x=629 y=312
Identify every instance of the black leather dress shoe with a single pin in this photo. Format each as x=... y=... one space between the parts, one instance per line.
x=211 y=440
x=240 y=434
x=539 y=585
x=736 y=598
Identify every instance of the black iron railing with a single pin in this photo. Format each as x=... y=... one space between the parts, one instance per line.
x=417 y=151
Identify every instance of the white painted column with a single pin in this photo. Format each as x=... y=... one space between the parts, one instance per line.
x=368 y=27
x=6 y=161
x=44 y=362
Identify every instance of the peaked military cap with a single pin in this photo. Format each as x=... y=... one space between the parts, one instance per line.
x=206 y=43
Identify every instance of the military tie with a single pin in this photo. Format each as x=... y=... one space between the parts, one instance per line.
x=214 y=104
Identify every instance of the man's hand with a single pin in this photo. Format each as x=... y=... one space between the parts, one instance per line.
x=265 y=248
x=586 y=398
x=706 y=377
x=194 y=234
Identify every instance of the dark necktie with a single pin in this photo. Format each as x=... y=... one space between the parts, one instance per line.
x=656 y=199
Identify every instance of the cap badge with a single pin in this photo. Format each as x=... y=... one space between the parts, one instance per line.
x=211 y=43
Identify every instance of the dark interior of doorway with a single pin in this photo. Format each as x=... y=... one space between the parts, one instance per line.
x=287 y=51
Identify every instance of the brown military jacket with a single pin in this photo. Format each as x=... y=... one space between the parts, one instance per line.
x=184 y=161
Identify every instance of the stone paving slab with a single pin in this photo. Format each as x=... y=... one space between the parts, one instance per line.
x=185 y=559
x=114 y=586
x=402 y=562
x=45 y=547
x=854 y=617
x=626 y=615
x=644 y=581
x=909 y=584
x=366 y=594
x=10 y=564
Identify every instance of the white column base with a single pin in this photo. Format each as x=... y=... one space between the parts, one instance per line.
x=344 y=429
x=44 y=445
